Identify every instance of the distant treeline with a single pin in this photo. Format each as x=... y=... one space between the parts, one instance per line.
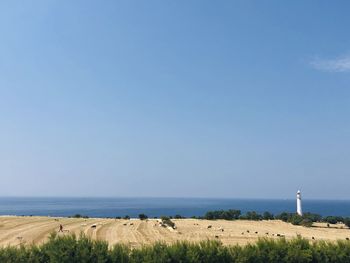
x=78 y=216
x=307 y=219
x=68 y=249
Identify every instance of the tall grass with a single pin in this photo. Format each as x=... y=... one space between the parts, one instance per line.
x=70 y=249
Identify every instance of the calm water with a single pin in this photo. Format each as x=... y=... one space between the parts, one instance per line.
x=112 y=207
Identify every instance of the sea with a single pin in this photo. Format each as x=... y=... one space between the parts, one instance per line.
x=156 y=207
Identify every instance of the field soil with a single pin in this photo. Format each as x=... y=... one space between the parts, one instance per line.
x=36 y=230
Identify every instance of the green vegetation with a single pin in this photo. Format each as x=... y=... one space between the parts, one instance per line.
x=79 y=216
x=223 y=214
x=346 y=221
x=166 y=221
x=143 y=216
x=306 y=220
x=333 y=219
x=293 y=218
x=252 y=215
x=268 y=216
x=67 y=249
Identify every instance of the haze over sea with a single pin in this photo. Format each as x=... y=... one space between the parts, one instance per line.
x=112 y=207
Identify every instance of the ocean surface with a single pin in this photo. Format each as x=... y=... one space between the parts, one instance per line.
x=155 y=207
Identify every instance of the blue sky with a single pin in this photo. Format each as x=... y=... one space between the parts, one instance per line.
x=241 y=99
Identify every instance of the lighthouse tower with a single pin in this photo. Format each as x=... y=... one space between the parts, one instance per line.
x=299 y=208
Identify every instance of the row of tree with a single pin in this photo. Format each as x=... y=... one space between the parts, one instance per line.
x=306 y=220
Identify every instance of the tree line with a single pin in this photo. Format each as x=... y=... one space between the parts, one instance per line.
x=306 y=220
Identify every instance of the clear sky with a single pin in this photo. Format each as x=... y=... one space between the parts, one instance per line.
x=241 y=99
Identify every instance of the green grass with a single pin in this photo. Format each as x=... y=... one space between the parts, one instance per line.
x=72 y=249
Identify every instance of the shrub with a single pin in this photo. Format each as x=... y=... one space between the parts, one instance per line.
x=284 y=216
x=222 y=214
x=64 y=249
x=167 y=221
x=295 y=219
x=306 y=222
x=253 y=216
x=143 y=216
x=268 y=216
x=333 y=219
x=312 y=217
x=79 y=216
x=347 y=221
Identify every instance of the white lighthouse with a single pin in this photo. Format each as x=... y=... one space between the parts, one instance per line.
x=299 y=207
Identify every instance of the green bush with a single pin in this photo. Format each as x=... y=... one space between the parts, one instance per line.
x=347 y=221
x=79 y=216
x=67 y=249
x=333 y=219
x=306 y=222
x=295 y=219
x=252 y=215
x=284 y=216
x=143 y=216
x=268 y=216
x=223 y=214
x=167 y=221
x=312 y=217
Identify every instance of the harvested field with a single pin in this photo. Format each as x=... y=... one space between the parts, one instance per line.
x=29 y=230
